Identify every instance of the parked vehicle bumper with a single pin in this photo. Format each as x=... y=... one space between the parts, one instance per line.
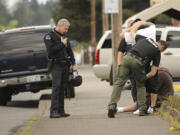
x=102 y=71
x=27 y=83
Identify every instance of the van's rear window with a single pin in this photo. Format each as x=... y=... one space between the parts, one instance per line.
x=22 y=41
x=107 y=44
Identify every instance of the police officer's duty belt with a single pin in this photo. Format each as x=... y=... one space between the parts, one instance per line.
x=135 y=56
x=62 y=62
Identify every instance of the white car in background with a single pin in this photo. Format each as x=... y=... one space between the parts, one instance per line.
x=170 y=58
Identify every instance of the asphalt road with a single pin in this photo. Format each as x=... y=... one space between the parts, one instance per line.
x=23 y=106
x=89 y=114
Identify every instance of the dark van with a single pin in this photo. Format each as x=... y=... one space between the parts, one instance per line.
x=23 y=61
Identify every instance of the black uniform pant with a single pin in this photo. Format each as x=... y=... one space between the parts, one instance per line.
x=133 y=89
x=59 y=84
x=151 y=86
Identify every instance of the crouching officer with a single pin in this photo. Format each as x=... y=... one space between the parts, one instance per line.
x=134 y=63
x=60 y=53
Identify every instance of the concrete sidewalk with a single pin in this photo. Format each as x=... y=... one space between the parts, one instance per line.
x=89 y=114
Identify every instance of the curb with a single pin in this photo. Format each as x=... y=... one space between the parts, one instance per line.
x=176 y=87
x=172 y=115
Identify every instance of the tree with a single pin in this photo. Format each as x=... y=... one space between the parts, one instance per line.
x=29 y=13
x=78 y=12
x=4 y=15
x=136 y=5
x=34 y=5
x=12 y=24
x=131 y=7
x=21 y=13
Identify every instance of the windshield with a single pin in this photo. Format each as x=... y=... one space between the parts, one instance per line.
x=22 y=41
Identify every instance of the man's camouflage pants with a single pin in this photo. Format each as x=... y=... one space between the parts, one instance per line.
x=134 y=67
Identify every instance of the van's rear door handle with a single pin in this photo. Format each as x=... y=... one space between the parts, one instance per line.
x=35 y=54
x=168 y=53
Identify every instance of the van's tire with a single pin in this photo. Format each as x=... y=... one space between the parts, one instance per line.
x=70 y=91
x=5 y=96
x=111 y=77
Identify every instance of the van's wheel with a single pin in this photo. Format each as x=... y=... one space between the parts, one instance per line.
x=111 y=77
x=5 y=96
x=70 y=91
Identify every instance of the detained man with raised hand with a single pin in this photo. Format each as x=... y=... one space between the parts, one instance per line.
x=147 y=30
x=165 y=89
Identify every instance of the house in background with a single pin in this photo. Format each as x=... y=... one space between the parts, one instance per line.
x=168 y=7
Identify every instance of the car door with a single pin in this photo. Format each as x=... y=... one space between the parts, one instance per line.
x=170 y=58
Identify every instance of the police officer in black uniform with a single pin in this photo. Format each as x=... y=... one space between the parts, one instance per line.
x=61 y=56
x=133 y=63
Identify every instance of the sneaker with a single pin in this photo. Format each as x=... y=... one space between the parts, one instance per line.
x=151 y=110
x=136 y=112
x=140 y=113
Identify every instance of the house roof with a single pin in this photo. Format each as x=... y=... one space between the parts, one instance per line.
x=168 y=7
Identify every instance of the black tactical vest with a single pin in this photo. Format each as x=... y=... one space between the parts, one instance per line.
x=65 y=49
x=146 y=48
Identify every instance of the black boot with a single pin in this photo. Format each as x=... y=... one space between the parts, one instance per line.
x=54 y=114
x=64 y=114
x=112 y=111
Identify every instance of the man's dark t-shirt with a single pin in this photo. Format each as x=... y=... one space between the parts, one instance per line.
x=145 y=49
x=124 y=47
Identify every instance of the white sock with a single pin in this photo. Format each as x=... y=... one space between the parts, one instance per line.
x=120 y=109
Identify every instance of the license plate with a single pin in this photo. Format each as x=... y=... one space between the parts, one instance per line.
x=34 y=78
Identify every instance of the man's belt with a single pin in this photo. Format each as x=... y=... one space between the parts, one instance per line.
x=135 y=56
x=62 y=62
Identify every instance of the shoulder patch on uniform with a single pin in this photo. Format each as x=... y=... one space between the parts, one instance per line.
x=48 y=37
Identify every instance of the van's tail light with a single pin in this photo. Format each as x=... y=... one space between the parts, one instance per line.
x=97 y=56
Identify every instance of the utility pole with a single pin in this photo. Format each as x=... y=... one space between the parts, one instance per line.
x=105 y=19
x=116 y=29
x=93 y=22
x=114 y=7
